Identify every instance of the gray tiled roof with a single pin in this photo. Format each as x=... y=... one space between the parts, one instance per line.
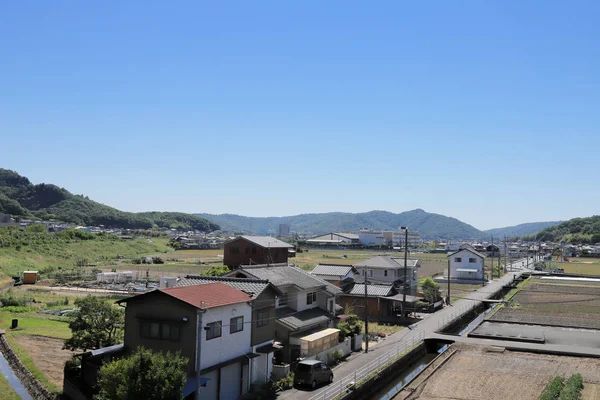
x=266 y=241
x=281 y=275
x=302 y=319
x=372 y=290
x=254 y=287
x=386 y=262
x=332 y=269
x=471 y=250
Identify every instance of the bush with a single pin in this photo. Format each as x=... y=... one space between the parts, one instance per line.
x=157 y=260
x=8 y=300
x=552 y=389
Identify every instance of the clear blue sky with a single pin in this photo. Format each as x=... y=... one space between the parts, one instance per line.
x=487 y=111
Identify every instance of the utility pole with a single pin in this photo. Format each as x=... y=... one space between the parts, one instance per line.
x=505 y=256
x=448 y=298
x=405 y=262
x=366 y=314
x=492 y=273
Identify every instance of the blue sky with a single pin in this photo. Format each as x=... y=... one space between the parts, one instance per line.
x=486 y=111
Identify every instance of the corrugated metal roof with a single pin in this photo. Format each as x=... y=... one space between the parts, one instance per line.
x=332 y=269
x=253 y=287
x=386 y=262
x=372 y=290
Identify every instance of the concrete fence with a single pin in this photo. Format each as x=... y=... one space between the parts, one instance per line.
x=30 y=382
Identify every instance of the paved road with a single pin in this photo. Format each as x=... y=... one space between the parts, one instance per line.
x=427 y=326
x=567 y=350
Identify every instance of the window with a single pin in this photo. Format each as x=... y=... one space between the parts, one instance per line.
x=472 y=260
x=236 y=324
x=330 y=307
x=371 y=273
x=254 y=250
x=359 y=303
x=247 y=250
x=213 y=330
x=311 y=297
x=160 y=330
x=234 y=250
x=283 y=300
x=457 y=259
x=385 y=272
x=262 y=318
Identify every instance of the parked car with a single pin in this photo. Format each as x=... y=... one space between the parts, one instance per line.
x=539 y=268
x=559 y=271
x=313 y=373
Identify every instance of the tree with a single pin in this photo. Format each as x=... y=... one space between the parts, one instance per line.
x=96 y=324
x=144 y=375
x=431 y=290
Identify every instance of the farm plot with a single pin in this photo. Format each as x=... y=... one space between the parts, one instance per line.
x=567 y=305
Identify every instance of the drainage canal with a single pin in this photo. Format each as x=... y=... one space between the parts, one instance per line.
x=461 y=327
x=15 y=383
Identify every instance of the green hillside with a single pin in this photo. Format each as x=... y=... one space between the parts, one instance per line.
x=34 y=248
x=429 y=225
x=19 y=197
x=521 y=229
x=576 y=230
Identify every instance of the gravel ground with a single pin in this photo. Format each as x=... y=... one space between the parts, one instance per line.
x=477 y=372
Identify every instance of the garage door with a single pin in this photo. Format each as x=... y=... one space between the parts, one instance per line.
x=230 y=381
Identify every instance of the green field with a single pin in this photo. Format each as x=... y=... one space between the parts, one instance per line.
x=581 y=265
x=6 y=391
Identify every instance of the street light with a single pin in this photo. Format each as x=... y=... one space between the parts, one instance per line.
x=405 y=262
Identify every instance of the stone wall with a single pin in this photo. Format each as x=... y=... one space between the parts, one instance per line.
x=30 y=382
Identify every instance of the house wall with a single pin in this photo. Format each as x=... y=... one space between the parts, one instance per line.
x=375 y=308
x=162 y=308
x=243 y=252
x=228 y=346
x=301 y=296
x=263 y=303
x=464 y=255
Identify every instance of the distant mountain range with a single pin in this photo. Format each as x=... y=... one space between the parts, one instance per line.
x=429 y=225
x=20 y=198
x=528 y=228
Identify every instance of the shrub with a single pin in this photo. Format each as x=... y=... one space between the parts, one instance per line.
x=8 y=300
x=552 y=389
x=157 y=260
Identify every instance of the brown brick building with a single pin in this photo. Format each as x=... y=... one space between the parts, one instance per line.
x=249 y=250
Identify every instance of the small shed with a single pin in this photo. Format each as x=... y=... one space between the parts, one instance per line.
x=30 y=277
x=318 y=342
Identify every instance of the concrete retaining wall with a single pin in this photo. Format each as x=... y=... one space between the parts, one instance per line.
x=30 y=382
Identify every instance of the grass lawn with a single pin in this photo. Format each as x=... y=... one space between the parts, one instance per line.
x=6 y=391
x=580 y=265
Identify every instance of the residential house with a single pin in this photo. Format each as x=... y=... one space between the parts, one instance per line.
x=467 y=264
x=389 y=270
x=305 y=306
x=216 y=317
x=382 y=302
x=248 y=250
x=262 y=328
x=336 y=274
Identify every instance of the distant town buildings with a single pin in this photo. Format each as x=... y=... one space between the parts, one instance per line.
x=284 y=230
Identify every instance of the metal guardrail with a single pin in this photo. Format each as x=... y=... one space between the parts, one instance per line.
x=456 y=312
x=347 y=384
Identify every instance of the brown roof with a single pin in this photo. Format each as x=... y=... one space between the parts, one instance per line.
x=208 y=296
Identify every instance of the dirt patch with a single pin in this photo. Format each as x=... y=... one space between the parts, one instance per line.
x=473 y=371
x=47 y=355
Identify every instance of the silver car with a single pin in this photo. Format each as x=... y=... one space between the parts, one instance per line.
x=313 y=373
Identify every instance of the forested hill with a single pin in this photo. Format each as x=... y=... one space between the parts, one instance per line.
x=19 y=197
x=429 y=225
x=521 y=229
x=576 y=230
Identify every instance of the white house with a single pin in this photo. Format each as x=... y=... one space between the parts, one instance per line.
x=466 y=264
x=388 y=269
